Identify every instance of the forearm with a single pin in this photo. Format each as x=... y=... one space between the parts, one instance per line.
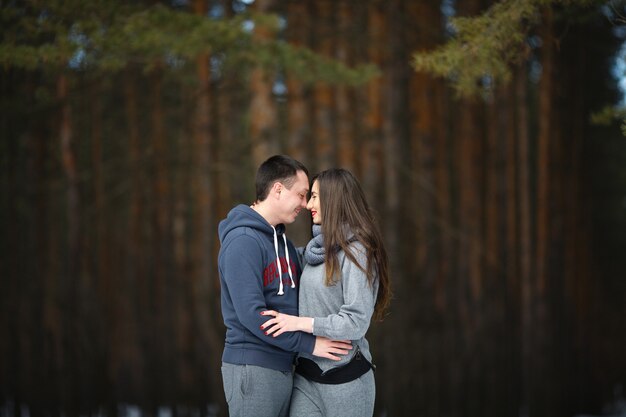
x=306 y=324
x=281 y=323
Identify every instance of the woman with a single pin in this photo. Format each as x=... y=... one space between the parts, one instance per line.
x=344 y=283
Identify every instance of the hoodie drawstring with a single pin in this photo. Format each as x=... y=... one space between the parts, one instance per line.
x=293 y=284
x=280 y=269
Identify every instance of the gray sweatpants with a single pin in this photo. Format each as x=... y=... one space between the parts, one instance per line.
x=253 y=391
x=352 y=399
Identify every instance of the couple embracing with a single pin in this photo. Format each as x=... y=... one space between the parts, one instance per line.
x=296 y=319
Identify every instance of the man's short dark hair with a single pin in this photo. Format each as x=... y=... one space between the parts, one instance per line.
x=281 y=168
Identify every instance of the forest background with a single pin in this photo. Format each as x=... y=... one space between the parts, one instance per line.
x=129 y=129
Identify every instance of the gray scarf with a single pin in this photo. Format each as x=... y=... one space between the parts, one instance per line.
x=314 y=252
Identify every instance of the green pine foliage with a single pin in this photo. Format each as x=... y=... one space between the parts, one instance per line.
x=608 y=115
x=484 y=47
x=107 y=36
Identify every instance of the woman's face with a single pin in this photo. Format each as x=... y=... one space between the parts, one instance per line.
x=314 y=203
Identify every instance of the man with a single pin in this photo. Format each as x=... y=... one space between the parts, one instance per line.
x=259 y=270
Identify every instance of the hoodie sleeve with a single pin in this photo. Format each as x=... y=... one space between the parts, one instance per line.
x=359 y=299
x=242 y=271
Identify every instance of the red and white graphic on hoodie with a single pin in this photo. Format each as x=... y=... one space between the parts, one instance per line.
x=271 y=272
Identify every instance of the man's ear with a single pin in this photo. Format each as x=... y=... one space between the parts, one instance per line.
x=277 y=188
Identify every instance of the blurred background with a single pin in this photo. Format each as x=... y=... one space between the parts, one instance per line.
x=486 y=135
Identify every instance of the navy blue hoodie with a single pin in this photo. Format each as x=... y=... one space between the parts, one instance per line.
x=254 y=279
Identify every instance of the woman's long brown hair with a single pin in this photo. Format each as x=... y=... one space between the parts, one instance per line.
x=343 y=205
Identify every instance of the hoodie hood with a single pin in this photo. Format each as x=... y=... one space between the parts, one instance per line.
x=245 y=216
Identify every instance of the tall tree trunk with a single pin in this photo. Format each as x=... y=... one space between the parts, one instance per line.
x=425 y=122
x=539 y=401
x=470 y=137
x=157 y=317
x=577 y=228
x=525 y=249
x=470 y=279
x=509 y=264
x=44 y=267
x=371 y=144
x=180 y=293
x=100 y=243
x=396 y=135
x=68 y=283
x=391 y=213
x=10 y=253
x=204 y=290
x=470 y=193
x=344 y=97
x=300 y=143
x=498 y=170
x=446 y=231
x=263 y=115
x=94 y=306
x=128 y=296
x=426 y=133
x=544 y=178
x=497 y=123
x=324 y=123
x=234 y=173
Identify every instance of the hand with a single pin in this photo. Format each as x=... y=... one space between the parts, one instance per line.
x=282 y=323
x=324 y=348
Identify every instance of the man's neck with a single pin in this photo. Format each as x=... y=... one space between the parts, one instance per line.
x=265 y=212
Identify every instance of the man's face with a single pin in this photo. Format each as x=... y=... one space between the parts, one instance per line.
x=294 y=199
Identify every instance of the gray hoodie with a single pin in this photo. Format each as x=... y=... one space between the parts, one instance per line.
x=342 y=311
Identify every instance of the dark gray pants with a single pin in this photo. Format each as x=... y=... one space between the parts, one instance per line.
x=253 y=391
x=352 y=399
